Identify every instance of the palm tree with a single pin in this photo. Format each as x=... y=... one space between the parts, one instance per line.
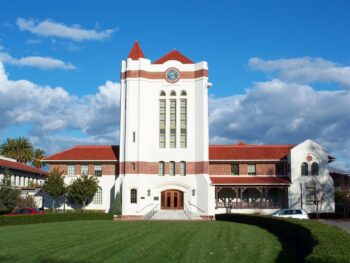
x=38 y=156
x=19 y=148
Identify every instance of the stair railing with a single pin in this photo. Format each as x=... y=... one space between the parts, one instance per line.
x=151 y=213
x=187 y=212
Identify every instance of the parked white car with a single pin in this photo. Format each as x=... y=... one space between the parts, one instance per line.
x=291 y=213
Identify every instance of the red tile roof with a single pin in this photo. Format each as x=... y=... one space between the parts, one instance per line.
x=136 y=52
x=251 y=180
x=21 y=167
x=243 y=151
x=87 y=153
x=174 y=55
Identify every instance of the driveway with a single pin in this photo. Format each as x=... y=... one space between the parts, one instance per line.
x=343 y=224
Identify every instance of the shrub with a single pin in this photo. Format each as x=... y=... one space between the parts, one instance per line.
x=46 y=218
x=117 y=205
x=26 y=201
x=311 y=241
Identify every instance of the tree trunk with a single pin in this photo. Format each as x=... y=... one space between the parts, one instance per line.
x=53 y=204
x=83 y=205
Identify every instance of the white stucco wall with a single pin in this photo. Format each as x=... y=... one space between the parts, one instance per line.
x=323 y=182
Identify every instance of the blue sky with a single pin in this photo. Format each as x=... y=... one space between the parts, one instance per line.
x=279 y=68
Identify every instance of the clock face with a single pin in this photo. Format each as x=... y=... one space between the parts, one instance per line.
x=172 y=75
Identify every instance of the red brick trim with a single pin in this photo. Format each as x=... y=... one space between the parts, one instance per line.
x=153 y=168
x=161 y=75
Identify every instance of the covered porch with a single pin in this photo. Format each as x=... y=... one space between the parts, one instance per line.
x=253 y=193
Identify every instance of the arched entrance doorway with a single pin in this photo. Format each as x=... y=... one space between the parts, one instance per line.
x=172 y=199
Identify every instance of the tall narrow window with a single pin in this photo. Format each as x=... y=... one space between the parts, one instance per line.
x=234 y=169
x=162 y=125
x=183 y=123
x=84 y=169
x=133 y=196
x=172 y=123
x=183 y=168
x=310 y=195
x=98 y=170
x=251 y=169
x=172 y=168
x=71 y=170
x=304 y=169
x=97 y=200
x=314 y=169
x=161 y=168
x=133 y=136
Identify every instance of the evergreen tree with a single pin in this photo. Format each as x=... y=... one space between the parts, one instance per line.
x=20 y=149
x=117 y=205
x=38 y=156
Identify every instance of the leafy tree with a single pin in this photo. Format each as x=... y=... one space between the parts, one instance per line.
x=8 y=195
x=54 y=185
x=38 y=156
x=342 y=197
x=83 y=189
x=117 y=205
x=20 y=149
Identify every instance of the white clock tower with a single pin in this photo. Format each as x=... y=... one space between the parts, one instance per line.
x=164 y=135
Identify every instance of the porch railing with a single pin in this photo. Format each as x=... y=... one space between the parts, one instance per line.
x=151 y=213
x=250 y=205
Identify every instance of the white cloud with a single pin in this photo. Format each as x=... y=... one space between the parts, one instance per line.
x=46 y=63
x=33 y=41
x=50 y=28
x=304 y=70
x=280 y=112
x=52 y=113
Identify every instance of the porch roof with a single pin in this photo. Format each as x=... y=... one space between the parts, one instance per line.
x=251 y=180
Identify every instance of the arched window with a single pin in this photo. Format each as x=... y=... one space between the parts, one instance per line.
x=314 y=169
x=97 y=200
x=172 y=168
x=304 y=169
x=162 y=93
x=183 y=93
x=161 y=168
x=172 y=93
x=182 y=168
x=133 y=196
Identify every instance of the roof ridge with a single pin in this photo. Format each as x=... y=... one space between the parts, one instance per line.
x=174 y=55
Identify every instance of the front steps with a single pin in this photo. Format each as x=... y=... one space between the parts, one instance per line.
x=173 y=215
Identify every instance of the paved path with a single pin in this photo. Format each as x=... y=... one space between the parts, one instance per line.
x=343 y=224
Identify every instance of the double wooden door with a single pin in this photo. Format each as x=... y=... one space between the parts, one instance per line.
x=172 y=199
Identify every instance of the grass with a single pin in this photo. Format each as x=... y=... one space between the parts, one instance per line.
x=147 y=241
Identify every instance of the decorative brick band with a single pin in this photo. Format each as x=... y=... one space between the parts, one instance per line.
x=153 y=167
x=161 y=75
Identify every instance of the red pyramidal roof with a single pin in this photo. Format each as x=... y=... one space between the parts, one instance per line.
x=174 y=55
x=136 y=52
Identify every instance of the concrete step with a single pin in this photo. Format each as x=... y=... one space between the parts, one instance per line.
x=174 y=215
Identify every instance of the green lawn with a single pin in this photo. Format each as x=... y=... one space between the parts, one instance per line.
x=147 y=241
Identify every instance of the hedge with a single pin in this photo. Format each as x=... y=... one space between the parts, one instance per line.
x=311 y=241
x=46 y=218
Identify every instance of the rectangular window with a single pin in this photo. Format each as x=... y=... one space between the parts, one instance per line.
x=133 y=166
x=70 y=170
x=84 y=169
x=162 y=123
x=183 y=123
x=183 y=168
x=133 y=196
x=133 y=136
x=234 y=169
x=251 y=169
x=97 y=200
x=310 y=195
x=172 y=168
x=172 y=123
x=279 y=169
x=98 y=170
x=161 y=168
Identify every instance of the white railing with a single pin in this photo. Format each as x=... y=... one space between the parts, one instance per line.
x=151 y=213
x=187 y=212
